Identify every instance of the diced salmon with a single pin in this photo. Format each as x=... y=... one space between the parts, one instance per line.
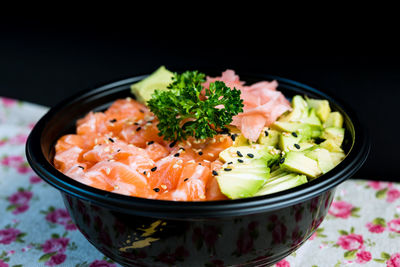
x=64 y=160
x=165 y=174
x=156 y=151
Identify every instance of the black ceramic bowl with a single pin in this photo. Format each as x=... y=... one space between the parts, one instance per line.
x=135 y=231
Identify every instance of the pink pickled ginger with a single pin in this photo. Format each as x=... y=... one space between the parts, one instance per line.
x=263 y=104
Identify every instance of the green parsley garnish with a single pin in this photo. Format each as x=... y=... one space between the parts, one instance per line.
x=183 y=110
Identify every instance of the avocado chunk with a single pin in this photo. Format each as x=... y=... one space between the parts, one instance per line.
x=323 y=157
x=288 y=142
x=299 y=108
x=321 y=107
x=331 y=145
x=306 y=145
x=240 y=140
x=242 y=180
x=335 y=119
x=282 y=183
x=335 y=134
x=311 y=117
x=297 y=162
x=268 y=137
x=304 y=130
x=249 y=153
x=337 y=157
x=158 y=80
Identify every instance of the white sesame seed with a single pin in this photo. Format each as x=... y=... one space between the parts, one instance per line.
x=107 y=149
x=108 y=170
x=210 y=154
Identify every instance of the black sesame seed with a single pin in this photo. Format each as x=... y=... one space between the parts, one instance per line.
x=230 y=162
x=156 y=190
x=176 y=155
x=185 y=179
x=215 y=173
x=150 y=122
x=141 y=110
x=200 y=153
x=136 y=123
x=297 y=146
x=138 y=129
x=282 y=160
x=239 y=154
x=113 y=120
x=227 y=169
x=266 y=133
x=172 y=144
x=118 y=150
x=199 y=163
x=181 y=148
x=294 y=134
x=81 y=167
x=111 y=140
x=240 y=160
x=150 y=143
x=233 y=136
x=153 y=169
x=250 y=155
x=144 y=172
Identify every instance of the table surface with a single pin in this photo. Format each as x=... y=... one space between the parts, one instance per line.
x=362 y=227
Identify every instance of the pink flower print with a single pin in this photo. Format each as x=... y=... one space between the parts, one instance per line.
x=3 y=264
x=9 y=235
x=375 y=228
x=314 y=204
x=314 y=235
x=210 y=235
x=23 y=168
x=56 y=260
x=283 y=263
x=20 y=201
x=34 y=179
x=363 y=257
x=8 y=102
x=55 y=245
x=19 y=139
x=12 y=161
x=394 y=260
x=101 y=263
x=16 y=162
x=3 y=141
x=340 y=209
x=394 y=225
x=376 y=185
x=392 y=195
x=279 y=233
x=351 y=241
x=61 y=216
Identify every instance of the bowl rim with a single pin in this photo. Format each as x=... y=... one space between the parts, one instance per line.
x=202 y=209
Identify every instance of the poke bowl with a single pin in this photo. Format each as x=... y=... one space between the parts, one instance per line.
x=135 y=231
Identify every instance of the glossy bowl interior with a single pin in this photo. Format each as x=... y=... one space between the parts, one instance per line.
x=144 y=232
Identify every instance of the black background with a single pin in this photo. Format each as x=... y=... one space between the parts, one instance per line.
x=44 y=62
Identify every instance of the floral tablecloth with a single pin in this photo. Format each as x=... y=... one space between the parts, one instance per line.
x=362 y=228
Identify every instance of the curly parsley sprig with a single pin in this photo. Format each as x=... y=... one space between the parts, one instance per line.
x=188 y=109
